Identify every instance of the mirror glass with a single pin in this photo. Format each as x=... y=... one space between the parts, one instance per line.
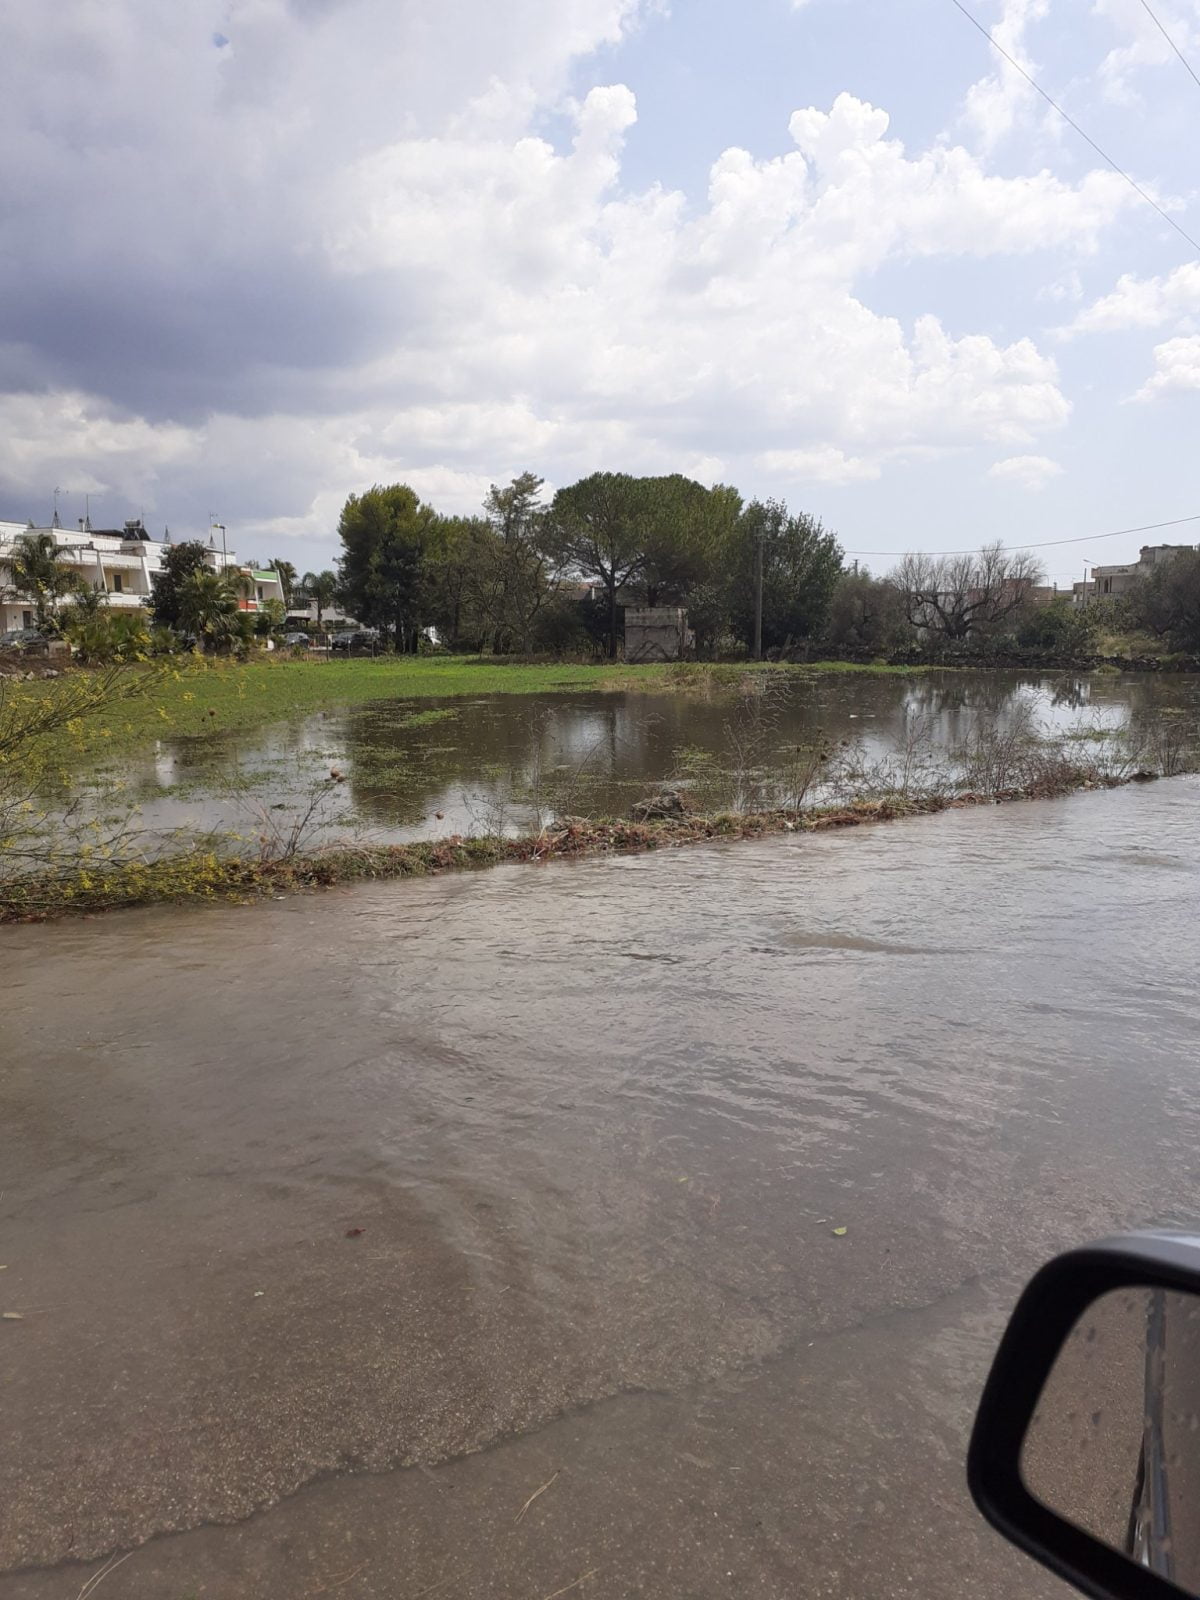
x=1114 y=1444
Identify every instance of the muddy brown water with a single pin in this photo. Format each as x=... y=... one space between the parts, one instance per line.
x=503 y=763
x=597 y=1124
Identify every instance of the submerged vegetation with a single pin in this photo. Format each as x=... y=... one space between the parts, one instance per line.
x=203 y=876
x=53 y=861
x=203 y=696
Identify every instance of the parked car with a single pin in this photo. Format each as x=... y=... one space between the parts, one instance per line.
x=18 y=638
x=296 y=638
x=365 y=639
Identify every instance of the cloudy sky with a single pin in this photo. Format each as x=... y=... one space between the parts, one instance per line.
x=259 y=253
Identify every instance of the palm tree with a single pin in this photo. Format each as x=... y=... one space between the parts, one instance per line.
x=208 y=606
x=35 y=570
x=287 y=578
x=86 y=605
x=321 y=588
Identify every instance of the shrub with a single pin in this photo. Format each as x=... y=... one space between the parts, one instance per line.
x=107 y=638
x=1058 y=628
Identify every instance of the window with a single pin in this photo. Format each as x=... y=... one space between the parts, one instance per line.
x=260 y=591
x=27 y=619
x=117 y=581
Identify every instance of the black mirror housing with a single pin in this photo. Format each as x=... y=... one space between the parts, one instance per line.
x=1046 y=1313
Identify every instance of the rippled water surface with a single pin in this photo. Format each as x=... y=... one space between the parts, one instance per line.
x=597 y=1124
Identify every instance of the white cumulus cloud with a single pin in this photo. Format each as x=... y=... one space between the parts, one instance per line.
x=1026 y=472
x=351 y=253
x=1176 y=366
x=1143 y=45
x=996 y=102
x=1142 y=302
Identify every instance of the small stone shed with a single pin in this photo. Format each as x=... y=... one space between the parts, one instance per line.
x=656 y=633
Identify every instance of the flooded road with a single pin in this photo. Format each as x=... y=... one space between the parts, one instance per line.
x=339 y=1227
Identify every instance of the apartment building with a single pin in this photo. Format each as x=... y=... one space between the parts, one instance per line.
x=120 y=563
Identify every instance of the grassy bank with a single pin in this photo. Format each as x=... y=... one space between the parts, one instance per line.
x=202 y=697
x=203 y=877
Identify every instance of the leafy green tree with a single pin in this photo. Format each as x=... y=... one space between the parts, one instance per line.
x=708 y=607
x=456 y=556
x=669 y=539
x=512 y=574
x=1167 y=601
x=35 y=570
x=596 y=529
x=801 y=563
x=560 y=629
x=270 y=617
x=515 y=510
x=321 y=588
x=867 y=613
x=387 y=537
x=179 y=561
x=1059 y=627
x=688 y=534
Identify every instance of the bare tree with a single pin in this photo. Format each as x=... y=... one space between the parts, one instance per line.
x=957 y=596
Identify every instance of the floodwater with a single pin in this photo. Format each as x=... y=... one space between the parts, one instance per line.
x=503 y=763
x=475 y=1236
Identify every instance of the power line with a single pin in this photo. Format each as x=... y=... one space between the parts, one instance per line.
x=1104 y=156
x=1047 y=544
x=1187 y=64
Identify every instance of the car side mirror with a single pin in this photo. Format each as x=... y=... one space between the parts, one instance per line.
x=1086 y=1446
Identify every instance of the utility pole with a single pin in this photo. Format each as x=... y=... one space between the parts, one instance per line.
x=758 y=588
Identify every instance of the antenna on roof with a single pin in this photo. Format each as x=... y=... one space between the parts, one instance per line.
x=87 y=513
x=55 y=523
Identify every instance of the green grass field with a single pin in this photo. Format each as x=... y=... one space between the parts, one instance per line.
x=201 y=697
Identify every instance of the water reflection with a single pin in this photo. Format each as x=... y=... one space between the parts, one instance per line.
x=426 y=768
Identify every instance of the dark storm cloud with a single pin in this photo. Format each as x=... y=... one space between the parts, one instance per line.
x=220 y=340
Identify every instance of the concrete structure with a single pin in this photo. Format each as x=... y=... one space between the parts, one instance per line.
x=656 y=633
x=305 y=616
x=121 y=563
x=1119 y=579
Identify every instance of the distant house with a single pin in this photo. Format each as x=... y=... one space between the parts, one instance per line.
x=1120 y=578
x=120 y=563
x=303 y=614
x=264 y=585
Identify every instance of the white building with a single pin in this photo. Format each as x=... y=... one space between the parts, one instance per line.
x=118 y=562
x=303 y=614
